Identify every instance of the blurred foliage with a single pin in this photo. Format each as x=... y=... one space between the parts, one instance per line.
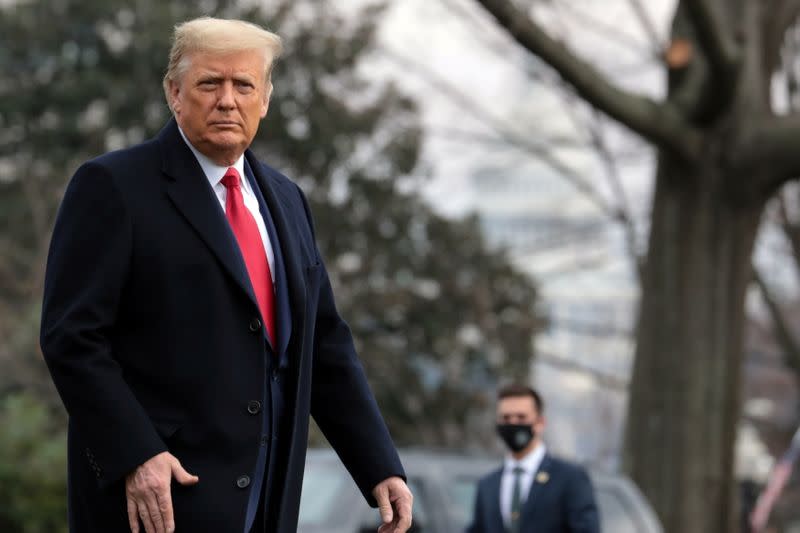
x=33 y=472
x=438 y=315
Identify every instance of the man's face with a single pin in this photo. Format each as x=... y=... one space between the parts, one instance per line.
x=520 y=410
x=219 y=101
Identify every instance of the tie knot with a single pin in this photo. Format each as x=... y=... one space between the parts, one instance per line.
x=231 y=178
x=518 y=470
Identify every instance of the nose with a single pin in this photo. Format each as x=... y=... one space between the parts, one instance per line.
x=225 y=97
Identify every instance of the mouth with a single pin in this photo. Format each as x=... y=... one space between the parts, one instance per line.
x=224 y=124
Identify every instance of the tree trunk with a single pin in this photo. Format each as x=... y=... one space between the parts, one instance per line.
x=684 y=400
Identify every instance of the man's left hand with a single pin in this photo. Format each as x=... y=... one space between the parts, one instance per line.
x=394 y=502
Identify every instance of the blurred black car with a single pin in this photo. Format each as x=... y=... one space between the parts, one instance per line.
x=444 y=491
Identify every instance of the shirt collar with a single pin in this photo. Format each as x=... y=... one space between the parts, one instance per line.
x=530 y=463
x=214 y=173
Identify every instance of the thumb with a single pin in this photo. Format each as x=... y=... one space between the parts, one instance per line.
x=182 y=476
x=384 y=505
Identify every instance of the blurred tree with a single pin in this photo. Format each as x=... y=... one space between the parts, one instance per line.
x=33 y=471
x=723 y=151
x=439 y=316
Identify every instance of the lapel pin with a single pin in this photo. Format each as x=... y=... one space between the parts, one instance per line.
x=542 y=477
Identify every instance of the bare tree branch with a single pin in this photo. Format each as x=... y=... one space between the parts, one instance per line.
x=541 y=151
x=553 y=141
x=714 y=35
x=494 y=45
x=608 y=31
x=597 y=140
x=791 y=349
x=625 y=215
x=661 y=123
x=605 y=380
x=790 y=229
x=772 y=145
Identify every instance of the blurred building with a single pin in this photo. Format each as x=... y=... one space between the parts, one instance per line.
x=589 y=295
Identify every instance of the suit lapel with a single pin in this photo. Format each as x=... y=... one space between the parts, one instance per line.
x=283 y=315
x=276 y=199
x=192 y=195
x=540 y=480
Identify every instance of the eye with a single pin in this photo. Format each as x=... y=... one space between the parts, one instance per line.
x=244 y=87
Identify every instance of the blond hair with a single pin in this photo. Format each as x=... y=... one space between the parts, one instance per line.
x=218 y=36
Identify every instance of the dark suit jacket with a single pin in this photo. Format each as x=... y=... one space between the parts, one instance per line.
x=152 y=335
x=561 y=500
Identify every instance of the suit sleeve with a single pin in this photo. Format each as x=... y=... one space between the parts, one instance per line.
x=342 y=403
x=477 y=512
x=86 y=272
x=582 y=515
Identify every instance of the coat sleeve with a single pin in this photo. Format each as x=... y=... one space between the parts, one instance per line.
x=582 y=515
x=86 y=271
x=342 y=403
x=477 y=512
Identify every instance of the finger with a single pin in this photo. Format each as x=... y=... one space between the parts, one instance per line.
x=387 y=528
x=165 y=506
x=144 y=516
x=384 y=505
x=403 y=516
x=155 y=513
x=133 y=517
x=182 y=476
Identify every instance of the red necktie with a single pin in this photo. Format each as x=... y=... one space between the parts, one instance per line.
x=252 y=247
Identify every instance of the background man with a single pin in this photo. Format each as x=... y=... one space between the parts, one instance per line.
x=533 y=491
x=187 y=312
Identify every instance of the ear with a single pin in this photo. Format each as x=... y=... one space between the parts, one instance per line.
x=174 y=96
x=265 y=102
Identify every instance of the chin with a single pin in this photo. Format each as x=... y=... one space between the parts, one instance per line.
x=227 y=143
x=229 y=139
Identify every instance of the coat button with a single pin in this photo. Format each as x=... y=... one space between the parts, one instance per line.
x=243 y=482
x=255 y=325
x=253 y=407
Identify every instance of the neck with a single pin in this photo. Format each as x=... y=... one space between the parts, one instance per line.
x=226 y=159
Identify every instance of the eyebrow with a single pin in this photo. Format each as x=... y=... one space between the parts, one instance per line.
x=214 y=75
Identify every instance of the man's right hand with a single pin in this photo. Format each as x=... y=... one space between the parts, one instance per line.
x=148 y=492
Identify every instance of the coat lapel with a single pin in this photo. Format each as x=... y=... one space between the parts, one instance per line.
x=540 y=480
x=283 y=315
x=275 y=198
x=190 y=192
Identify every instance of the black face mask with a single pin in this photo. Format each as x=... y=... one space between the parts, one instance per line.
x=516 y=436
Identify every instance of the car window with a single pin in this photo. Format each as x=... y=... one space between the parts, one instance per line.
x=461 y=491
x=322 y=489
x=420 y=511
x=617 y=513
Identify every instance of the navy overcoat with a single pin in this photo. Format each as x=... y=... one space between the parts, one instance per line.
x=154 y=340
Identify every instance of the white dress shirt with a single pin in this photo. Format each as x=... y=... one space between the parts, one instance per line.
x=214 y=173
x=530 y=465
